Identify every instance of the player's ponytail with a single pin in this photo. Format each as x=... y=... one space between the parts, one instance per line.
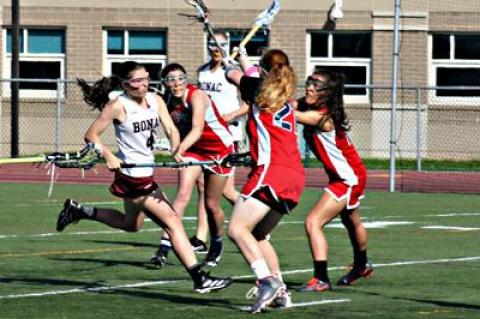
x=96 y=95
x=279 y=85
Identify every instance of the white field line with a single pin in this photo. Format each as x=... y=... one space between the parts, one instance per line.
x=307 y=304
x=451 y=228
x=378 y=224
x=165 y=282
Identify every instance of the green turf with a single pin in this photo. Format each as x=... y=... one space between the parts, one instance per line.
x=30 y=263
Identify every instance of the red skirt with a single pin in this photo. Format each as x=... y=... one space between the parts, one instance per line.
x=132 y=187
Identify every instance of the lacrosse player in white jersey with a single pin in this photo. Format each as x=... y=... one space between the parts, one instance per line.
x=136 y=114
x=212 y=80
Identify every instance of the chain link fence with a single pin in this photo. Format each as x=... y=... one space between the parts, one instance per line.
x=433 y=124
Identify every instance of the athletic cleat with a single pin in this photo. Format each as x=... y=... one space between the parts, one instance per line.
x=213 y=257
x=268 y=290
x=159 y=258
x=283 y=299
x=355 y=274
x=209 y=283
x=198 y=245
x=71 y=213
x=317 y=285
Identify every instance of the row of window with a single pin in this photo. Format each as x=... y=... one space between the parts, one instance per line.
x=455 y=58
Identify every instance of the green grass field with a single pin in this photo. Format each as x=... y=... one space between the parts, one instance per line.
x=425 y=248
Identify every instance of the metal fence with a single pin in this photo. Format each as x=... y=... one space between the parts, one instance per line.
x=432 y=123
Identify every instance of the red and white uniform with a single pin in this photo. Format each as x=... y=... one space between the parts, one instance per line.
x=223 y=93
x=346 y=171
x=216 y=142
x=274 y=148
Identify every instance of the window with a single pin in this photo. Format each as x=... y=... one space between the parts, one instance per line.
x=455 y=62
x=254 y=47
x=42 y=56
x=349 y=53
x=148 y=47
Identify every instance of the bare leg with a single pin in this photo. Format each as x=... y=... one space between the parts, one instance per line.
x=160 y=211
x=229 y=192
x=202 y=221
x=214 y=185
x=246 y=214
x=321 y=214
x=356 y=231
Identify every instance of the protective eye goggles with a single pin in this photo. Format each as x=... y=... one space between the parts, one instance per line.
x=319 y=85
x=212 y=46
x=170 y=80
x=135 y=82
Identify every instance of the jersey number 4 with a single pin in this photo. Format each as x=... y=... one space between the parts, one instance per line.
x=279 y=119
x=151 y=141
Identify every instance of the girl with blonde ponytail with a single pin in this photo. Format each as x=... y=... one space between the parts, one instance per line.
x=267 y=194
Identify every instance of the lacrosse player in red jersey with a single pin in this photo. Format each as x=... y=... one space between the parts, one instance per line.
x=267 y=194
x=326 y=132
x=204 y=136
x=136 y=115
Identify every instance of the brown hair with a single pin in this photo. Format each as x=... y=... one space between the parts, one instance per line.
x=96 y=95
x=279 y=85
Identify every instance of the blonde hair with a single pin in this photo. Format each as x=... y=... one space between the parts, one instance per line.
x=279 y=85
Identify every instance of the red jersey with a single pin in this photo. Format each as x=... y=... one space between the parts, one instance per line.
x=215 y=139
x=337 y=153
x=274 y=148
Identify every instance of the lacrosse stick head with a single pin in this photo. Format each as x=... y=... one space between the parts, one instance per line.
x=267 y=16
x=202 y=10
x=86 y=158
x=237 y=159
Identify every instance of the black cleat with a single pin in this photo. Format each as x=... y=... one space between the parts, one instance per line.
x=355 y=274
x=198 y=245
x=71 y=213
x=209 y=283
x=213 y=257
x=159 y=258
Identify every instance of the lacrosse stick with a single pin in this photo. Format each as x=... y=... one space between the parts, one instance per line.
x=240 y=159
x=202 y=17
x=85 y=158
x=263 y=19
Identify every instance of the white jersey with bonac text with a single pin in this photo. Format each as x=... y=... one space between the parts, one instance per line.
x=136 y=135
x=223 y=93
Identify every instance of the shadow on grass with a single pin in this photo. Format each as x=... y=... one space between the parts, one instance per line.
x=439 y=303
x=52 y=282
x=178 y=298
x=124 y=243
x=113 y=263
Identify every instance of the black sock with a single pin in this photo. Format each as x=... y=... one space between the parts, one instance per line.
x=165 y=245
x=196 y=273
x=359 y=258
x=216 y=243
x=320 y=270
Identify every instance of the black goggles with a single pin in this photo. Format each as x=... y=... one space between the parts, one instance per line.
x=319 y=85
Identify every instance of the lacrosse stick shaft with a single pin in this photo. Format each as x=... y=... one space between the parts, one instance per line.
x=167 y=164
x=245 y=40
x=36 y=159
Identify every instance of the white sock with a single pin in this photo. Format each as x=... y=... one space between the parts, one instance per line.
x=260 y=269
x=89 y=210
x=279 y=276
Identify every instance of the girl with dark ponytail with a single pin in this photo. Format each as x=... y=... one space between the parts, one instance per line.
x=322 y=111
x=136 y=115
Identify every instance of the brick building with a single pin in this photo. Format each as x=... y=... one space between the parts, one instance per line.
x=439 y=46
